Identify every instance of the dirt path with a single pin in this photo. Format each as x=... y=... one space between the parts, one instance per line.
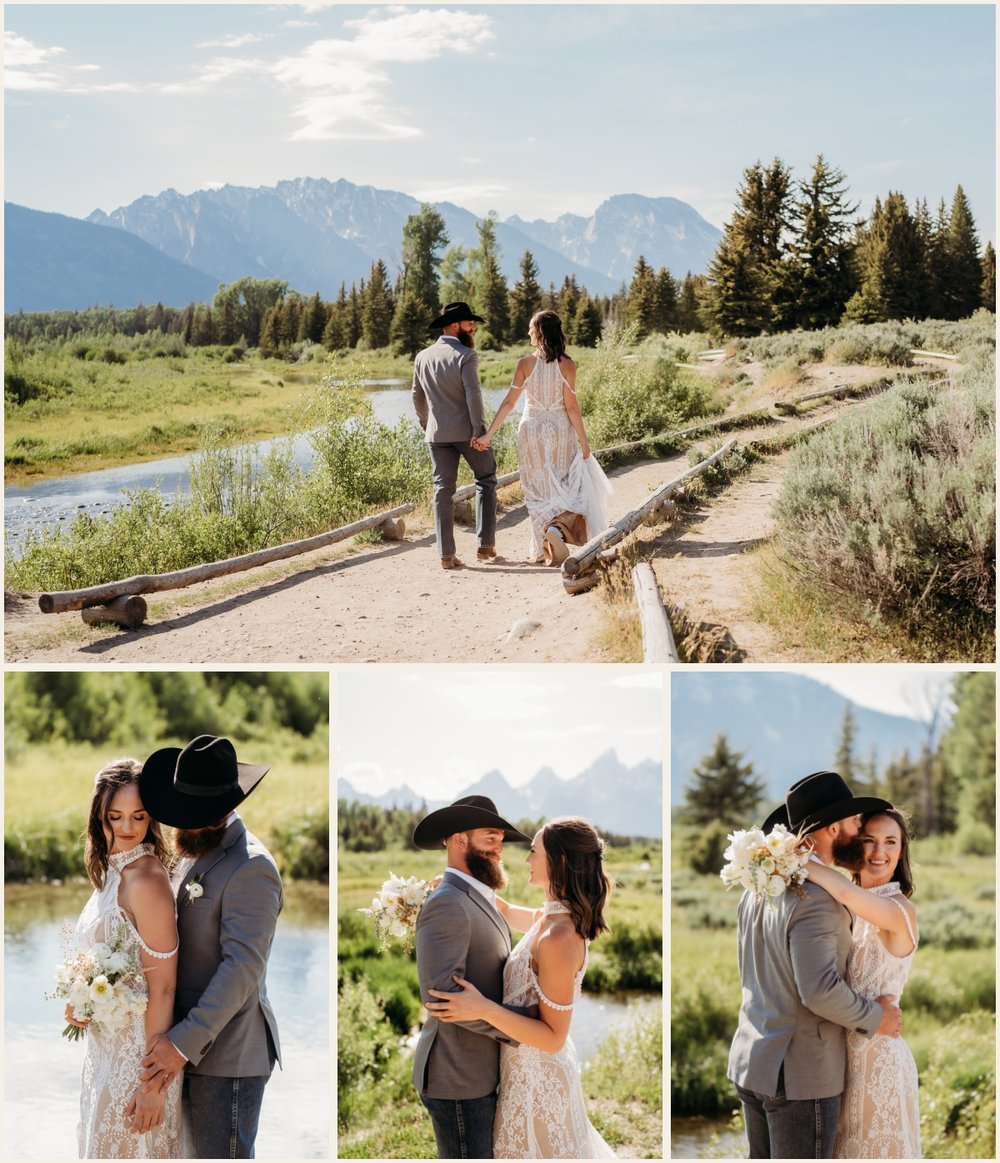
x=392 y=603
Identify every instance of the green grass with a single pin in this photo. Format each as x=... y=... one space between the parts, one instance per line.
x=47 y=790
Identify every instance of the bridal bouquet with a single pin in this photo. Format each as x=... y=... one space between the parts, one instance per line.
x=766 y=865
x=395 y=909
x=98 y=983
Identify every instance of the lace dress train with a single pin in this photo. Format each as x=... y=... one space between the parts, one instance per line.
x=111 y=1067
x=554 y=475
x=541 y=1112
x=879 y=1112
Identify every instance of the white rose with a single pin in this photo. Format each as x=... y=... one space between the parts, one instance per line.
x=774 y=886
x=116 y=963
x=194 y=890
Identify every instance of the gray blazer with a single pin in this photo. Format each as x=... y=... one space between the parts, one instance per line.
x=459 y=931
x=221 y=1012
x=446 y=392
x=796 y=1005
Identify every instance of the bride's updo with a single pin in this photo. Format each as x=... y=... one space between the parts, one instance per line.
x=110 y=779
x=576 y=872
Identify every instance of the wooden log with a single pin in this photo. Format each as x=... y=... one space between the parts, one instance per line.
x=657 y=638
x=58 y=603
x=835 y=390
x=932 y=354
x=129 y=612
x=580 y=558
x=394 y=529
x=467 y=491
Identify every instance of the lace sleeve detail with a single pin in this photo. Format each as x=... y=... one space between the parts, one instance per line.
x=906 y=917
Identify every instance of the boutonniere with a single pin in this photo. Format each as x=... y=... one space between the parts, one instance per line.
x=194 y=889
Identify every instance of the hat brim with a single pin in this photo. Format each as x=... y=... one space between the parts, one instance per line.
x=444 y=320
x=434 y=829
x=177 y=810
x=841 y=810
x=778 y=816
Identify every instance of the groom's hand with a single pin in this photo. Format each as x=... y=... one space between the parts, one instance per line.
x=162 y=1063
x=892 y=1016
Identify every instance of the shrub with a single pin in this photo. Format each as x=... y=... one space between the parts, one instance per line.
x=365 y=1044
x=894 y=505
x=949 y=924
x=705 y=854
x=304 y=846
x=976 y=838
x=701 y=1029
x=958 y=1091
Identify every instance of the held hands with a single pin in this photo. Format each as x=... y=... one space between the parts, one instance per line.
x=482 y=443
x=892 y=1016
x=145 y=1111
x=459 y=1007
x=161 y=1063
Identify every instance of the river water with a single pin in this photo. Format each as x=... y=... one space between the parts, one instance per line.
x=42 y=1070
x=60 y=499
x=706 y=1139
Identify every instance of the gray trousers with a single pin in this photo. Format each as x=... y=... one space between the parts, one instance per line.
x=446 y=459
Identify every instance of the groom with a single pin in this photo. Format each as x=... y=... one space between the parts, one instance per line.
x=449 y=405
x=788 y=1057
x=229 y=894
x=459 y=931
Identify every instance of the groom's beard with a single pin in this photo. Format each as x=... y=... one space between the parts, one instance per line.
x=198 y=841
x=488 y=870
x=849 y=854
x=467 y=338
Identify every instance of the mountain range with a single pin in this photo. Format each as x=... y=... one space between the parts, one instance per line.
x=787 y=725
x=617 y=798
x=316 y=234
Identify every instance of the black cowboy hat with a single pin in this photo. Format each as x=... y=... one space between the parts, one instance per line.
x=196 y=785
x=818 y=800
x=455 y=313
x=461 y=816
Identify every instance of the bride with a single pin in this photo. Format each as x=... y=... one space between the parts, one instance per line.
x=879 y=1115
x=132 y=904
x=541 y=1112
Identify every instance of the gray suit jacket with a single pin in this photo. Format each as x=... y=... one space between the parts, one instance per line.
x=796 y=1004
x=446 y=392
x=458 y=931
x=221 y=1012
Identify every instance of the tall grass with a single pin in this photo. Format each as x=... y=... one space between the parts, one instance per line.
x=895 y=508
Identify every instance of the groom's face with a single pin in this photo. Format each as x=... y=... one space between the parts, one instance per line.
x=484 y=857
x=848 y=850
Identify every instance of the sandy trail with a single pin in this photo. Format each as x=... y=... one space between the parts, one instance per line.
x=392 y=603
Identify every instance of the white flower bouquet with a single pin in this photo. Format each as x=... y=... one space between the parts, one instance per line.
x=100 y=985
x=765 y=865
x=395 y=908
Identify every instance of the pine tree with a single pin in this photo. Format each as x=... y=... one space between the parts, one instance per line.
x=586 y=324
x=988 y=286
x=642 y=299
x=187 y=323
x=723 y=789
x=313 y=320
x=489 y=285
x=890 y=262
x=969 y=746
x=688 y=314
x=525 y=297
x=929 y=300
x=376 y=308
x=845 y=760
x=961 y=293
x=409 y=332
x=159 y=319
x=567 y=299
x=665 y=307
x=335 y=332
x=269 y=340
x=424 y=237
x=455 y=286
x=820 y=270
x=203 y=328
x=353 y=315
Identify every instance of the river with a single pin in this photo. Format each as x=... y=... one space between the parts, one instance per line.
x=706 y=1139
x=42 y=1070
x=57 y=499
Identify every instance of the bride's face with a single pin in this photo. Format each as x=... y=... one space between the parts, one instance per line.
x=537 y=861
x=883 y=842
x=126 y=821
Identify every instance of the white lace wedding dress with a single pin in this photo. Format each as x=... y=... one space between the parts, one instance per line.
x=541 y=1112
x=555 y=477
x=111 y=1067
x=879 y=1115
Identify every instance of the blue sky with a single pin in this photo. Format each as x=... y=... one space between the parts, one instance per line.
x=529 y=109
x=439 y=729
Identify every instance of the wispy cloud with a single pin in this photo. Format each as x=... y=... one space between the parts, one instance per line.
x=342 y=85
x=30 y=66
x=234 y=40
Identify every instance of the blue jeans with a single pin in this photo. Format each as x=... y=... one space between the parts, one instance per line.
x=222 y=1114
x=445 y=458
x=463 y=1127
x=782 y=1128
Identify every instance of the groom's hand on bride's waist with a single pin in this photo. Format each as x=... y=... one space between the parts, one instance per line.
x=892 y=1016
x=161 y=1064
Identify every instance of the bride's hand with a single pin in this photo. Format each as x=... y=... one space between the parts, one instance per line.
x=459 y=1007
x=73 y=1020
x=144 y=1112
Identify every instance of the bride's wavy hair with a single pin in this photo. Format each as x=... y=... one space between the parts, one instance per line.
x=576 y=872
x=550 y=334
x=111 y=779
x=903 y=874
